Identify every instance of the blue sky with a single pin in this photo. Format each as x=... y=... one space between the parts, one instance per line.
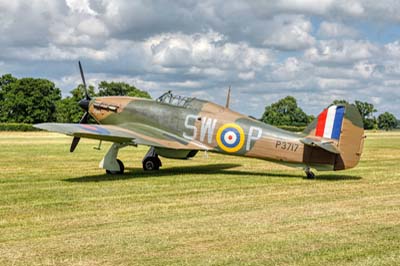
x=317 y=51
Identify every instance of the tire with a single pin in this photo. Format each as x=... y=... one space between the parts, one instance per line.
x=151 y=164
x=121 y=169
x=310 y=175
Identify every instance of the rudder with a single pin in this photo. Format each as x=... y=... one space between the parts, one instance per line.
x=341 y=124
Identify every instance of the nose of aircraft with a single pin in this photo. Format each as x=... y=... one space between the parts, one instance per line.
x=84 y=104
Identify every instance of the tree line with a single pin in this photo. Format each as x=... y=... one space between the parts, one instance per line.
x=286 y=112
x=35 y=100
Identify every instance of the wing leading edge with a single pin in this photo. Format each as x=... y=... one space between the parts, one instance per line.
x=143 y=136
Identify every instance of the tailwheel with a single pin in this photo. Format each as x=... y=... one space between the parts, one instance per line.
x=309 y=173
x=120 y=171
x=151 y=163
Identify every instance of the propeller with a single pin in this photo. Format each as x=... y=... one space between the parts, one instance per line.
x=84 y=104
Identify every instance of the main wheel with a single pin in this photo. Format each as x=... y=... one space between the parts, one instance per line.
x=151 y=164
x=121 y=169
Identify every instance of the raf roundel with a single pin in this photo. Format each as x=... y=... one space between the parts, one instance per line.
x=230 y=137
x=94 y=129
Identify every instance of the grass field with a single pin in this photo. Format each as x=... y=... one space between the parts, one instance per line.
x=58 y=208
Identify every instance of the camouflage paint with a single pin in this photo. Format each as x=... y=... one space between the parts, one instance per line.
x=201 y=125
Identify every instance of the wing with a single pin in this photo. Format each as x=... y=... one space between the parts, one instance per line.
x=135 y=133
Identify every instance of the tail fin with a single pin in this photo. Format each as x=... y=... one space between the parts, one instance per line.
x=342 y=126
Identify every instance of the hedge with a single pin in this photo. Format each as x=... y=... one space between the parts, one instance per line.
x=17 y=127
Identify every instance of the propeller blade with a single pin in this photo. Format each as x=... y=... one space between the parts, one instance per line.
x=84 y=103
x=74 y=143
x=87 y=97
x=84 y=119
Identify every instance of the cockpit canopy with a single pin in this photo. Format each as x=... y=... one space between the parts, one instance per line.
x=176 y=100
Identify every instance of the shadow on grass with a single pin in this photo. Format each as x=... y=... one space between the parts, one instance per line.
x=337 y=177
x=209 y=169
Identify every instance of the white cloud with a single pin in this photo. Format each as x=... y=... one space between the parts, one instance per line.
x=312 y=6
x=54 y=53
x=290 y=33
x=93 y=27
x=204 y=50
x=291 y=69
x=81 y=6
x=247 y=75
x=186 y=84
x=365 y=69
x=337 y=51
x=393 y=49
x=352 y=8
x=336 y=84
x=65 y=35
x=335 y=30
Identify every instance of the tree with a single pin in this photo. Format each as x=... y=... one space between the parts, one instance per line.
x=285 y=112
x=367 y=111
x=336 y=102
x=4 y=81
x=120 y=89
x=28 y=100
x=68 y=110
x=387 y=121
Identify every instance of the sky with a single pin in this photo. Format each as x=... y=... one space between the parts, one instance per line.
x=314 y=50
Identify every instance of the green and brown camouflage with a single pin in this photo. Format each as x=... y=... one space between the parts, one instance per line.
x=178 y=127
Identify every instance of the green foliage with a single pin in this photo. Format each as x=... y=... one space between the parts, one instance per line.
x=336 y=102
x=285 y=112
x=4 y=81
x=68 y=110
x=367 y=111
x=7 y=79
x=120 y=89
x=28 y=100
x=17 y=127
x=387 y=121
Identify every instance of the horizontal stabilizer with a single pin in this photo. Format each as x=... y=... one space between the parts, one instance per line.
x=325 y=144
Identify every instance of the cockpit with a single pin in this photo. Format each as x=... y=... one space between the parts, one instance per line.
x=176 y=100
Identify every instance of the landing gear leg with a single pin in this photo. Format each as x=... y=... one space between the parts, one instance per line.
x=110 y=161
x=309 y=173
x=151 y=161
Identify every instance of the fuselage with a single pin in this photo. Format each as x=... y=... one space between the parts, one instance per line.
x=218 y=128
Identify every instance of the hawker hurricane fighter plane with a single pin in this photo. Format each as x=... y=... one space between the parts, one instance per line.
x=178 y=127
